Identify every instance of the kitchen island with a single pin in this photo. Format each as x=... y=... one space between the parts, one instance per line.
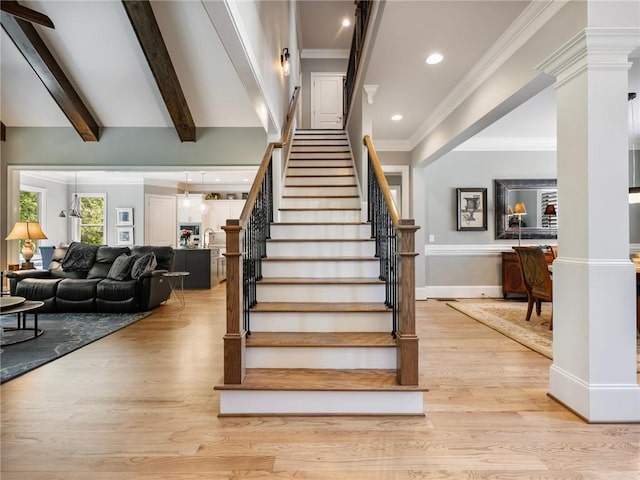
x=206 y=267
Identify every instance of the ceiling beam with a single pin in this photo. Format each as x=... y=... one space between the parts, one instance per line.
x=28 y=41
x=24 y=13
x=147 y=30
x=3 y=132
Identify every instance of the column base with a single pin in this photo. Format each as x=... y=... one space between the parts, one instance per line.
x=595 y=403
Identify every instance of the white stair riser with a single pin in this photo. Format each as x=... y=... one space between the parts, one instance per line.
x=263 y=402
x=303 y=249
x=337 y=162
x=320 y=202
x=320 y=216
x=321 y=357
x=321 y=269
x=324 y=181
x=321 y=149
x=279 y=231
x=325 y=172
x=320 y=156
x=321 y=191
x=320 y=293
x=321 y=135
x=336 y=142
x=321 y=322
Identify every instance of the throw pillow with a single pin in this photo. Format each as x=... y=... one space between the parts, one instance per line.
x=145 y=263
x=79 y=257
x=121 y=267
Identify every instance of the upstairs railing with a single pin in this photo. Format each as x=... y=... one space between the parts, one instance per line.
x=362 y=16
x=395 y=247
x=246 y=241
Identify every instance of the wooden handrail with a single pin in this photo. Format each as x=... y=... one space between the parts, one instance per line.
x=382 y=180
x=286 y=131
x=257 y=181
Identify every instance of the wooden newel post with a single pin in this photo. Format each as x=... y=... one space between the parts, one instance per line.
x=407 y=340
x=235 y=338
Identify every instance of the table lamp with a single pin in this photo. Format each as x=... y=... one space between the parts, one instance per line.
x=27 y=231
x=519 y=209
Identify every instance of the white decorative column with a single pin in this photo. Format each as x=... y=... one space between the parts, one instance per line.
x=594 y=332
x=368 y=96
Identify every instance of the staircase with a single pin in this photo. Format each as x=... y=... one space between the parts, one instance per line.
x=320 y=334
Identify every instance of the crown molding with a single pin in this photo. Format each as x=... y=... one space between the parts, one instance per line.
x=532 y=19
x=505 y=144
x=320 y=53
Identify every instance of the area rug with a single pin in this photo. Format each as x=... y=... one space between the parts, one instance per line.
x=62 y=333
x=508 y=318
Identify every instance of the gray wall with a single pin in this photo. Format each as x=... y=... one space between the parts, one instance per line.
x=437 y=216
x=134 y=146
x=316 y=65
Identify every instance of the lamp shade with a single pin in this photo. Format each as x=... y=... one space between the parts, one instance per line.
x=550 y=210
x=520 y=209
x=26 y=231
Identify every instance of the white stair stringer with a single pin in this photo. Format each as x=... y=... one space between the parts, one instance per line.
x=319 y=338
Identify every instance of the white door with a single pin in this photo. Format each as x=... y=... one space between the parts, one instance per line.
x=326 y=100
x=160 y=224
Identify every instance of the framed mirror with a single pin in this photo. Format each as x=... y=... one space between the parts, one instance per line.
x=532 y=202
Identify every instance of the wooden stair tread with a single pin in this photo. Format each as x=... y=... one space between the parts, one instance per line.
x=323 y=185
x=319 y=223
x=321 y=259
x=328 y=197
x=334 y=307
x=321 y=339
x=299 y=379
x=317 y=166
x=319 y=209
x=317 y=175
x=320 y=240
x=320 y=281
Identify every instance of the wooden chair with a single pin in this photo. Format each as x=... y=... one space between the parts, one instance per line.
x=537 y=279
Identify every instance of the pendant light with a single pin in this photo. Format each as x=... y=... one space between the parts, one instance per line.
x=204 y=208
x=186 y=201
x=74 y=206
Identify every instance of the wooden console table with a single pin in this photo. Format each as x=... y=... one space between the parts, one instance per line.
x=512 y=281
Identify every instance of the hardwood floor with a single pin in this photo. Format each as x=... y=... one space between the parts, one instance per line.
x=140 y=404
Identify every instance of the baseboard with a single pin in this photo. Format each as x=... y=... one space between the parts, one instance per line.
x=595 y=403
x=458 y=291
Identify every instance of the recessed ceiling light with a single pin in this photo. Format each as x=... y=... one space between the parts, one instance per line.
x=434 y=58
x=346 y=22
x=245 y=179
x=397 y=117
x=218 y=180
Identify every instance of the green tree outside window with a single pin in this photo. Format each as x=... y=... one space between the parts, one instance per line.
x=29 y=211
x=92 y=223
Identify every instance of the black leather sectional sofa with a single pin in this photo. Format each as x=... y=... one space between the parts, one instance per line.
x=91 y=278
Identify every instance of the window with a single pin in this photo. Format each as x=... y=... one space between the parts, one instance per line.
x=92 y=227
x=32 y=201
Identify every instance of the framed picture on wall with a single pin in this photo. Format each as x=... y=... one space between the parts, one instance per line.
x=124 y=235
x=124 y=216
x=471 y=209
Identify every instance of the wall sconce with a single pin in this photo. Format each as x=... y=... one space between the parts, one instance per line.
x=284 y=62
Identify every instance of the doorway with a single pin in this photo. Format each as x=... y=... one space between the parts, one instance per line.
x=327 y=90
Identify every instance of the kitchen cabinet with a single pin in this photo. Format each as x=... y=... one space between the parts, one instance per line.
x=197 y=262
x=220 y=211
